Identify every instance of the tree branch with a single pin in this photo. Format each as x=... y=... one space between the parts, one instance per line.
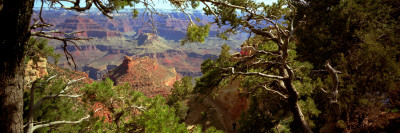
x=224 y=4
x=76 y=6
x=69 y=37
x=254 y=74
x=99 y=6
x=60 y=94
x=274 y=91
x=141 y=108
x=62 y=122
x=209 y=8
x=274 y=53
x=335 y=81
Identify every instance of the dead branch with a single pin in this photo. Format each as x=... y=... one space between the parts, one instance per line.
x=141 y=108
x=334 y=106
x=254 y=74
x=60 y=94
x=60 y=122
x=48 y=34
x=209 y=8
x=274 y=91
x=224 y=4
x=335 y=81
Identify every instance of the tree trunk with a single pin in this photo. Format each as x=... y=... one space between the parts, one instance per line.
x=299 y=124
x=14 y=33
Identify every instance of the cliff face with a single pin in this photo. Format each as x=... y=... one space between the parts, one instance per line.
x=41 y=69
x=144 y=74
x=123 y=24
x=35 y=70
x=147 y=39
x=88 y=26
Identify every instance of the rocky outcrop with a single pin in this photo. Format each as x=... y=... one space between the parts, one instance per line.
x=147 y=39
x=88 y=26
x=40 y=69
x=34 y=70
x=144 y=74
x=121 y=24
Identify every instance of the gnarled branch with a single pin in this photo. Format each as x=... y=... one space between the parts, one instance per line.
x=61 y=122
x=60 y=94
x=254 y=74
x=274 y=91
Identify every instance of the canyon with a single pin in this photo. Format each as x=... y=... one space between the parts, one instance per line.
x=112 y=39
x=128 y=50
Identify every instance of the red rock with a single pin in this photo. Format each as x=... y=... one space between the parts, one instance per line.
x=146 y=75
x=88 y=26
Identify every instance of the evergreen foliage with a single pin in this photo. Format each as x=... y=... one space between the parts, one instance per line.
x=124 y=104
x=212 y=71
x=160 y=118
x=37 y=47
x=54 y=109
x=255 y=120
x=361 y=38
x=182 y=91
x=196 y=33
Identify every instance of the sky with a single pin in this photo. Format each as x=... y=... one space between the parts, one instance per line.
x=159 y=4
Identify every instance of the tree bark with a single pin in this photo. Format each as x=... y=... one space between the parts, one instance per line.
x=299 y=124
x=14 y=33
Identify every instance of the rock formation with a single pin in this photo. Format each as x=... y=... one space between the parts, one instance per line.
x=88 y=26
x=35 y=70
x=146 y=75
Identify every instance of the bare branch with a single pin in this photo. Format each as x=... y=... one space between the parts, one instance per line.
x=47 y=34
x=334 y=106
x=100 y=7
x=70 y=82
x=215 y=15
x=268 y=34
x=76 y=6
x=335 y=81
x=323 y=90
x=141 y=108
x=51 y=78
x=60 y=94
x=292 y=28
x=53 y=96
x=190 y=18
x=61 y=122
x=274 y=91
x=265 y=62
x=275 y=24
x=224 y=4
x=254 y=74
x=274 y=53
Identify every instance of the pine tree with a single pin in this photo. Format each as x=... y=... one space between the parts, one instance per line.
x=360 y=37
